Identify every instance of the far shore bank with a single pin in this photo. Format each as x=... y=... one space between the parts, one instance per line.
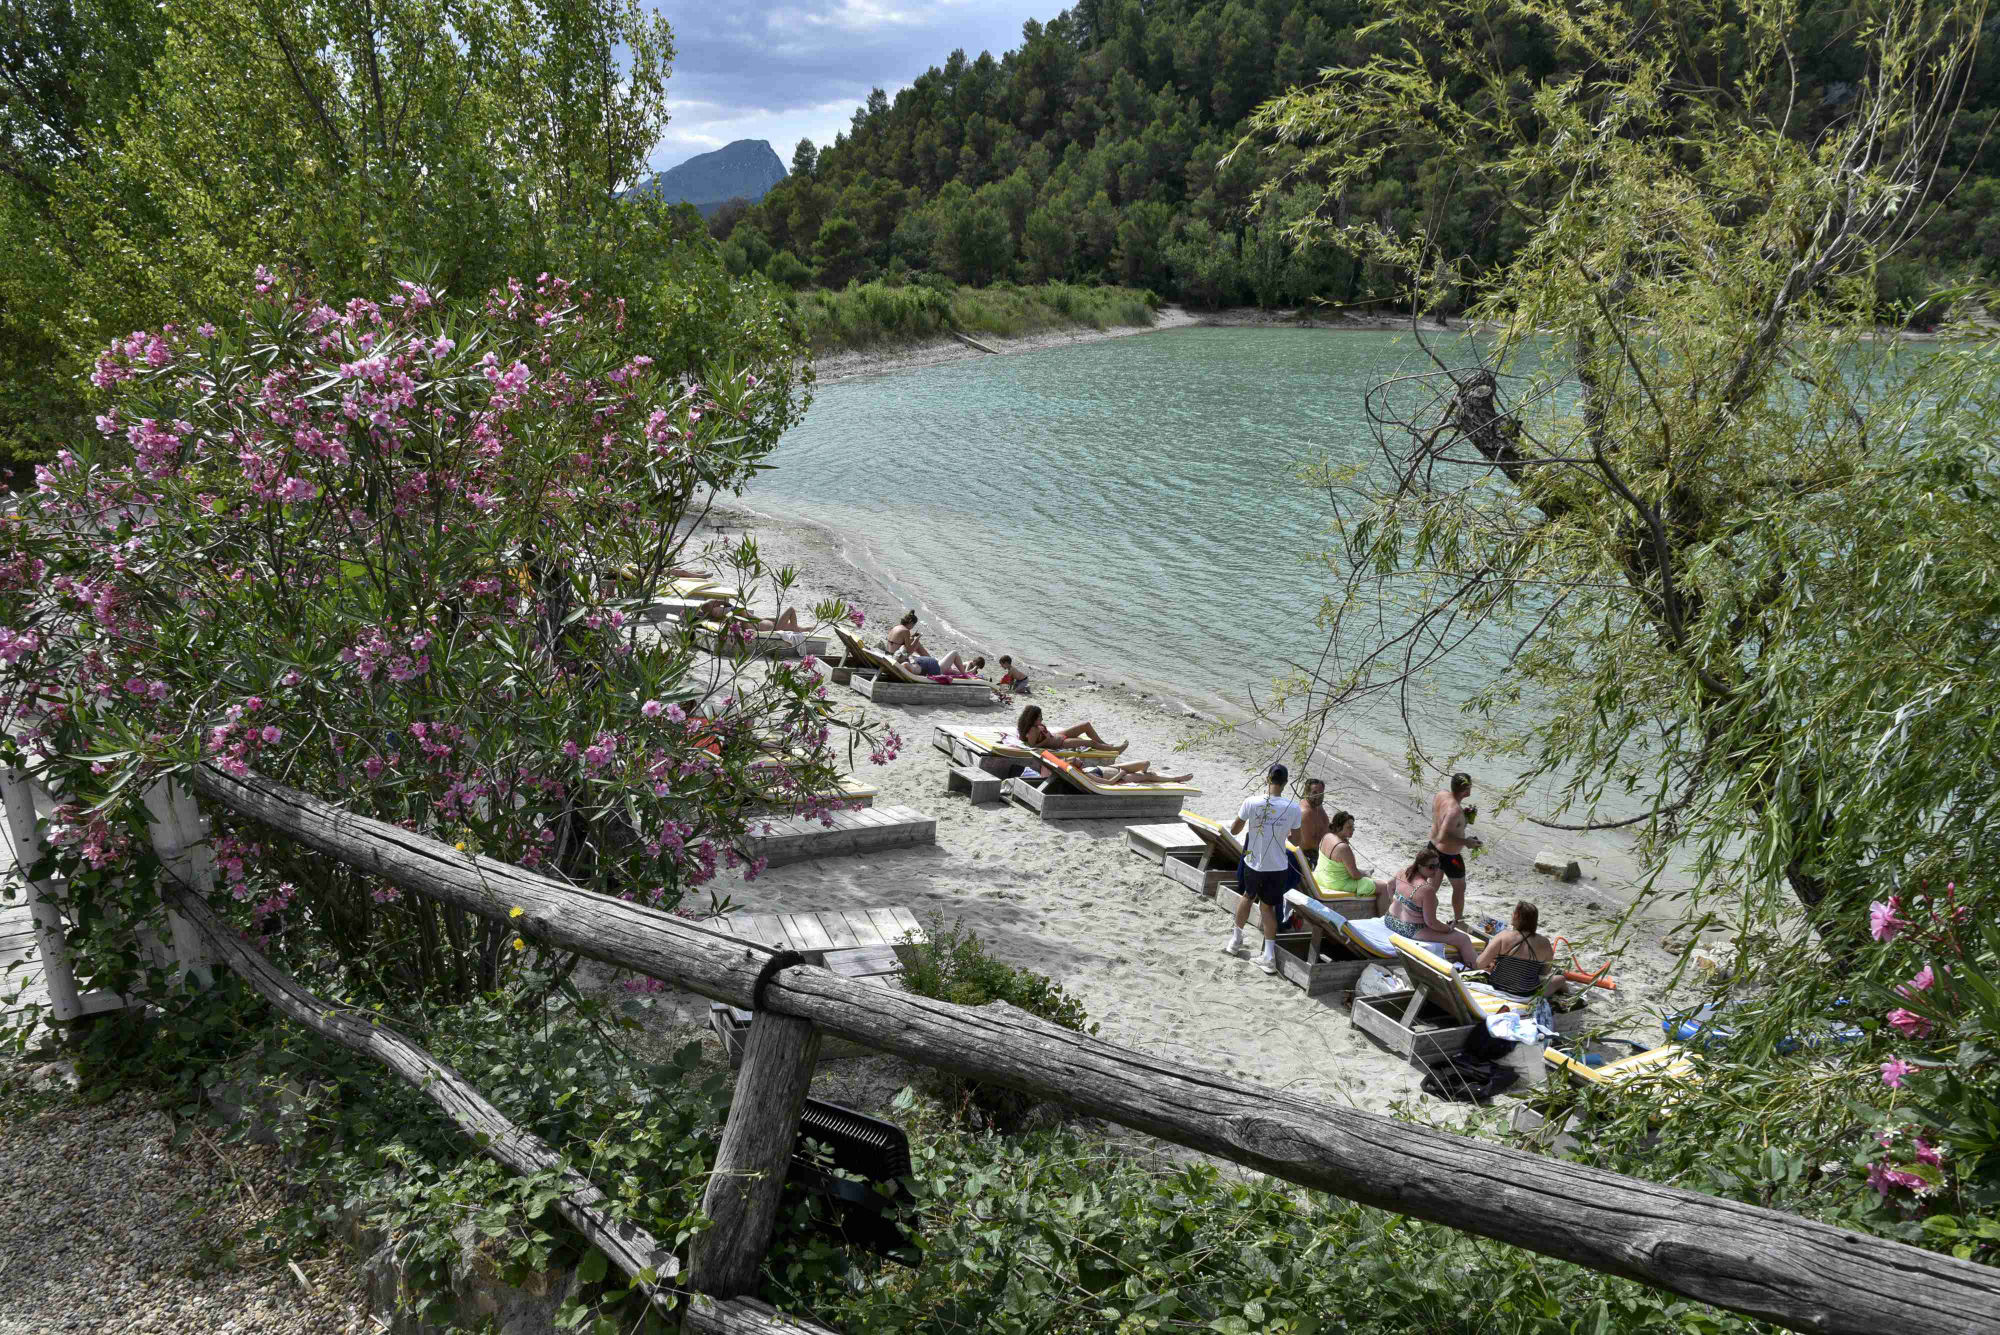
x=847 y=363
x=884 y=358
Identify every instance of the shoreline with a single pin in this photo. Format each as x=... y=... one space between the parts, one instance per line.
x=853 y=363
x=1068 y=900
x=884 y=359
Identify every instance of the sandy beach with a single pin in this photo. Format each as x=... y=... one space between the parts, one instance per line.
x=1143 y=953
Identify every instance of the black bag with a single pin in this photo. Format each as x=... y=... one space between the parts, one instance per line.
x=1466 y=1079
x=1481 y=1045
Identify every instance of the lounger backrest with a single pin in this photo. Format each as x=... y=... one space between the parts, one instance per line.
x=1216 y=835
x=1667 y=1062
x=1445 y=986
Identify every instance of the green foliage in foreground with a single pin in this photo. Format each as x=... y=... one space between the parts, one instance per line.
x=1062 y=1235
x=953 y=966
x=867 y=315
x=1055 y=1233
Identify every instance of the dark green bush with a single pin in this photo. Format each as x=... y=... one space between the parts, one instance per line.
x=954 y=966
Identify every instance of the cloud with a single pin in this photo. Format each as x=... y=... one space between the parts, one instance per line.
x=784 y=70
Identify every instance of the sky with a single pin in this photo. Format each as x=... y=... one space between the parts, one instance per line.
x=786 y=70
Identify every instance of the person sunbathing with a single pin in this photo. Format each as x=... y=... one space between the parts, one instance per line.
x=1033 y=732
x=1412 y=908
x=720 y=609
x=903 y=637
x=1337 y=875
x=1518 y=959
x=1132 y=771
x=951 y=665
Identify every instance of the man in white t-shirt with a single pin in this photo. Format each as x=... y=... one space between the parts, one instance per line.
x=1267 y=824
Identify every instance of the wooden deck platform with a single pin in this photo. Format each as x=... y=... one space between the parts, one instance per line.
x=782 y=839
x=808 y=933
x=929 y=693
x=1157 y=843
x=1067 y=804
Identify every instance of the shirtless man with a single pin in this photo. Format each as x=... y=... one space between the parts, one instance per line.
x=1449 y=839
x=1314 y=825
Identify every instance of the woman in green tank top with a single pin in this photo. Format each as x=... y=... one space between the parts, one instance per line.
x=1338 y=876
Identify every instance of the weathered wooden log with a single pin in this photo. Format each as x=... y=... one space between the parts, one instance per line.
x=1796 y=1272
x=755 y=1153
x=628 y=1247
x=743 y=1316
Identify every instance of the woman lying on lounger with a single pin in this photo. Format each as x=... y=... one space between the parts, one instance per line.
x=717 y=609
x=951 y=665
x=1413 y=905
x=1131 y=771
x=1033 y=732
x=1337 y=875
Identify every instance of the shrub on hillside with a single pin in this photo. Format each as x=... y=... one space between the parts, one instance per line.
x=954 y=966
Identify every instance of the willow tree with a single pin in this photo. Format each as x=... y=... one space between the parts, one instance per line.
x=1741 y=550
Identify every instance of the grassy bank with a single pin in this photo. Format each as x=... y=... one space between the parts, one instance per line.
x=868 y=315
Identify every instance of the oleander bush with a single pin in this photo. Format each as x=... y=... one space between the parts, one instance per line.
x=399 y=553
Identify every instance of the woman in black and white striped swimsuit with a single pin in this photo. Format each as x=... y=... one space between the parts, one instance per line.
x=1518 y=959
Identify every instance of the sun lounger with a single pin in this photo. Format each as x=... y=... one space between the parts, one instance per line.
x=1438 y=1013
x=1215 y=871
x=764 y=643
x=1336 y=946
x=1062 y=791
x=882 y=679
x=999 y=751
x=1669 y=1062
x=852 y=790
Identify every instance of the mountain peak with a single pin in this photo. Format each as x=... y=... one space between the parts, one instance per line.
x=744 y=169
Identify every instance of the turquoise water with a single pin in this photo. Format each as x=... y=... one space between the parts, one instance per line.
x=1132 y=506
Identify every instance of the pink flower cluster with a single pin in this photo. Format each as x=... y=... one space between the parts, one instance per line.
x=375 y=651
x=89 y=835
x=236 y=742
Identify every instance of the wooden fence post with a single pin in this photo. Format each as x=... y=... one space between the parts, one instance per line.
x=755 y=1153
x=19 y=796
x=180 y=837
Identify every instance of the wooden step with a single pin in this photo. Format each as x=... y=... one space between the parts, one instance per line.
x=782 y=839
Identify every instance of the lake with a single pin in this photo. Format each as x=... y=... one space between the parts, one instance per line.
x=1132 y=507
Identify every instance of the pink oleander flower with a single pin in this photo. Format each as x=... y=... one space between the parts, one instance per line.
x=1909 y=1023
x=652 y=709
x=1929 y=1153
x=1894 y=1070
x=1885 y=1178
x=1921 y=983
x=858 y=617
x=1883 y=924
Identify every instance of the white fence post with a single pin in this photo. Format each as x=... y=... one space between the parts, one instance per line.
x=19 y=795
x=180 y=837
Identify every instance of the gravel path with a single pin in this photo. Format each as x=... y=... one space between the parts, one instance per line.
x=106 y=1225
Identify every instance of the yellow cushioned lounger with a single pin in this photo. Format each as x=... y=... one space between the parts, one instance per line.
x=1470 y=1002
x=1074 y=775
x=865 y=657
x=1216 y=835
x=703 y=589
x=1009 y=747
x=1669 y=1062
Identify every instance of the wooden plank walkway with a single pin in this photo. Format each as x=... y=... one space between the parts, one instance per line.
x=782 y=839
x=857 y=943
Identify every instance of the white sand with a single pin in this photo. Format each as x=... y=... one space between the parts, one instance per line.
x=1142 y=952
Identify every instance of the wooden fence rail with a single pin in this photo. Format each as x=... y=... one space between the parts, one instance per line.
x=1795 y=1272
